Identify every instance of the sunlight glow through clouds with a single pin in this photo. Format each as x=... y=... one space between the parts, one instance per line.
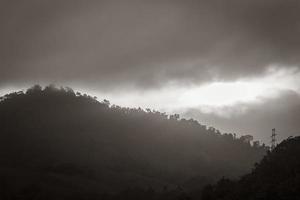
x=217 y=97
x=212 y=95
x=244 y=90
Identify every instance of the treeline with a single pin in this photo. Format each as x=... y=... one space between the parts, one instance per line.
x=276 y=177
x=67 y=91
x=55 y=140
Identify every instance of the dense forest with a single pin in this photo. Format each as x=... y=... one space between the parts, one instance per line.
x=276 y=177
x=60 y=144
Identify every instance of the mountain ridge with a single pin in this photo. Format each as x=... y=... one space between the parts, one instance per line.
x=55 y=132
x=276 y=177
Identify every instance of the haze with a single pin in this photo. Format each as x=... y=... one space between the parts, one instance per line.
x=233 y=65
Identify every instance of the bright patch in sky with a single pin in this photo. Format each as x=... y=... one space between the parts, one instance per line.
x=242 y=91
x=216 y=94
x=209 y=97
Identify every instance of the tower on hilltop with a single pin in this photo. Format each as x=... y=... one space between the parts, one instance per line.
x=273 y=139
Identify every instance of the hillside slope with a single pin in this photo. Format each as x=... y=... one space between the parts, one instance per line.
x=57 y=141
x=276 y=177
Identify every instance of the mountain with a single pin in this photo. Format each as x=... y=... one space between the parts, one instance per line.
x=276 y=177
x=55 y=142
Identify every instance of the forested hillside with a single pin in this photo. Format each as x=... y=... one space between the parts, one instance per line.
x=58 y=143
x=276 y=177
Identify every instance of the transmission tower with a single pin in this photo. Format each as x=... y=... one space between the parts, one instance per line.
x=273 y=139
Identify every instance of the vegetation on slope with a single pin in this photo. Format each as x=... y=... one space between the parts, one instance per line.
x=58 y=142
x=276 y=177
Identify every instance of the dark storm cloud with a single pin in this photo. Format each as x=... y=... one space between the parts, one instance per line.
x=145 y=43
x=281 y=113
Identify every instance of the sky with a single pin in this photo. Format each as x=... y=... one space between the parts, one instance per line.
x=232 y=64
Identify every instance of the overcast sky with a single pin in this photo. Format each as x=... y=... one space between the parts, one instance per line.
x=232 y=64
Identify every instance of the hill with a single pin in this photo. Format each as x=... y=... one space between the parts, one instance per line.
x=276 y=177
x=58 y=142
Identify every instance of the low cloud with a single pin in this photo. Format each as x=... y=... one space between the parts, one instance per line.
x=153 y=52
x=282 y=113
x=145 y=44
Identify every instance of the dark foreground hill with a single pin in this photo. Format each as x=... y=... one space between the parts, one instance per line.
x=276 y=177
x=57 y=144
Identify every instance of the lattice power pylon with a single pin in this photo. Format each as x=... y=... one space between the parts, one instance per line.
x=273 y=139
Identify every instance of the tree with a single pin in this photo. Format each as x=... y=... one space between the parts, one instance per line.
x=34 y=89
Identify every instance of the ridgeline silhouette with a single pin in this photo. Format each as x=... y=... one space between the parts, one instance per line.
x=276 y=177
x=58 y=143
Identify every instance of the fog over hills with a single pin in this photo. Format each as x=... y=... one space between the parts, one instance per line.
x=220 y=62
x=55 y=141
x=164 y=98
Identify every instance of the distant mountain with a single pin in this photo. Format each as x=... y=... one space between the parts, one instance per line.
x=55 y=142
x=276 y=177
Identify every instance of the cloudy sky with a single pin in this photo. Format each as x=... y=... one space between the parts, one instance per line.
x=231 y=64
